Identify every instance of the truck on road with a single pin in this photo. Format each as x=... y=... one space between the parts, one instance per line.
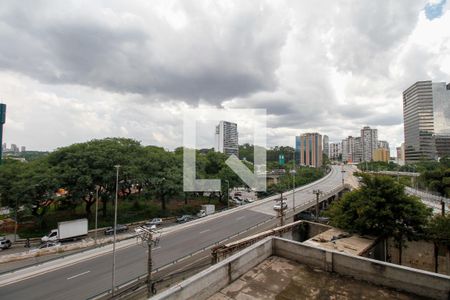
x=206 y=210
x=69 y=230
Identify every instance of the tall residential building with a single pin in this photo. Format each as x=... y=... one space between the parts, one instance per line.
x=23 y=149
x=14 y=148
x=311 y=149
x=335 y=151
x=2 y=121
x=401 y=154
x=348 y=149
x=358 y=154
x=326 y=145
x=369 y=142
x=227 y=139
x=297 y=150
x=426 y=116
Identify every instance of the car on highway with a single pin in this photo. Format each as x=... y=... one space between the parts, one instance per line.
x=184 y=218
x=154 y=221
x=280 y=205
x=119 y=228
x=4 y=243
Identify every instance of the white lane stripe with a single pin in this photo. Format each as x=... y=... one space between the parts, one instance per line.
x=78 y=275
x=240 y=218
x=204 y=231
x=153 y=249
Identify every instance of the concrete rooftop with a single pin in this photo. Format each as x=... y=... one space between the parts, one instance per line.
x=338 y=240
x=280 y=278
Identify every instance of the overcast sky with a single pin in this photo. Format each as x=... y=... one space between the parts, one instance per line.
x=71 y=71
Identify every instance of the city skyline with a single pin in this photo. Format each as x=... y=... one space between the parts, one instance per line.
x=307 y=70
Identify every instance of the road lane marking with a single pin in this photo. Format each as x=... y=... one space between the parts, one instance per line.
x=240 y=218
x=204 y=231
x=81 y=274
x=153 y=249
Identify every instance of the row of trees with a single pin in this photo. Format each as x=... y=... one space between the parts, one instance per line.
x=81 y=170
x=71 y=177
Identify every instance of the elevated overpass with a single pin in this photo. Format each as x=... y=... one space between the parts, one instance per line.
x=439 y=204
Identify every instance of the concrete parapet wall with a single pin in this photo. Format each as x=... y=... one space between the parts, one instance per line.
x=415 y=281
x=215 y=278
x=410 y=280
x=212 y=280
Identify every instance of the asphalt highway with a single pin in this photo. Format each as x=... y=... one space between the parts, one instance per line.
x=90 y=277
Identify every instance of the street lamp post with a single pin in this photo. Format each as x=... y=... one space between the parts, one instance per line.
x=15 y=223
x=115 y=227
x=96 y=212
x=228 y=194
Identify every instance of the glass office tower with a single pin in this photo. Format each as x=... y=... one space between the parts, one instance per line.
x=426 y=115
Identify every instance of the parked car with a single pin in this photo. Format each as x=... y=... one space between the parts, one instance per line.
x=154 y=221
x=238 y=194
x=248 y=200
x=235 y=201
x=119 y=228
x=4 y=243
x=280 y=205
x=184 y=218
x=49 y=244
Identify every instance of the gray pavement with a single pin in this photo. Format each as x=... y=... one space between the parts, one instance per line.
x=90 y=277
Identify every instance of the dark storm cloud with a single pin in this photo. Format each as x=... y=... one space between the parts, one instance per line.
x=128 y=52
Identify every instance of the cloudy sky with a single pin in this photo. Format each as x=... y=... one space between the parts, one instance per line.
x=71 y=71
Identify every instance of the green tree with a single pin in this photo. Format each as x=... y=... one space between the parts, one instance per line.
x=84 y=167
x=439 y=229
x=381 y=208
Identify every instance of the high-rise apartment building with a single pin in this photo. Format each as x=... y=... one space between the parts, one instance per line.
x=369 y=142
x=310 y=151
x=335 y=151
x=326 y=145
x=348 y=149
x=227 y=139
x=2 y=121
x=401 y=154
x=426 y=116
x=358 y=154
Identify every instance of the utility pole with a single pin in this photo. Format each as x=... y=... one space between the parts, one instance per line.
x=293 y=182
x=146 y=235
x=317 y=193
x=442 y=207
x=281 y=210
